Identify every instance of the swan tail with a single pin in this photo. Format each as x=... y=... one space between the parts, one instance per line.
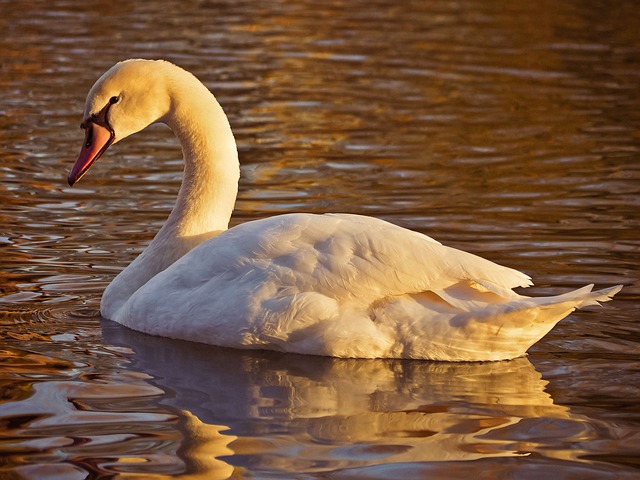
x=586 y=297
x=459 y=325
x=550 y=310
x=524 y=322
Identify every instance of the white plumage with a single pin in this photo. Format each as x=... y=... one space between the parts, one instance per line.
x=336 y=284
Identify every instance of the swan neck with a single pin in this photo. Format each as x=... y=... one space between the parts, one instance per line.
x=207 y=194
x=211 y=171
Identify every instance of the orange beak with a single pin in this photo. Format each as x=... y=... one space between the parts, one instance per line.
x=96 y=141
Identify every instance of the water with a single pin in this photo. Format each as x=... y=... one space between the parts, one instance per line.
x=508 y=130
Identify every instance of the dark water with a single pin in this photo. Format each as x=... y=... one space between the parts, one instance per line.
x=511 y=130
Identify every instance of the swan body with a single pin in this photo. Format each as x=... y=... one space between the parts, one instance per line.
x=335 y=284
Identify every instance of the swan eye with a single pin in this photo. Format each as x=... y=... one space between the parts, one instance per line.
x=113 y=100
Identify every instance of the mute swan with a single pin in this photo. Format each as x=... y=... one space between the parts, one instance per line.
x=336 y=284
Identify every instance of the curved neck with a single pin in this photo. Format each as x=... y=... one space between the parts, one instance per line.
x=211 y=171
x=206 y=198
x=210 y=181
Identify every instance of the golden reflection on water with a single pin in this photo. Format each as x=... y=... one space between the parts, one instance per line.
x=222 y=412
x=350 y=413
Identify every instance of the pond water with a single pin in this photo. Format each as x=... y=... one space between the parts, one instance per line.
x=511 y=130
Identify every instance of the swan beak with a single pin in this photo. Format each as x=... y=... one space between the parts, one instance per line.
x=96 y=141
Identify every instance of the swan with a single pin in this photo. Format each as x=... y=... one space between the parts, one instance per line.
x=337 y=285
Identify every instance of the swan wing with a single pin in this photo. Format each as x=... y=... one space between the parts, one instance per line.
x=346 y=286
x=343 y=256
x=270 y=277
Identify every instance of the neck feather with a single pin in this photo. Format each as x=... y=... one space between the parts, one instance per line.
x=211 y=172
x=207 y=195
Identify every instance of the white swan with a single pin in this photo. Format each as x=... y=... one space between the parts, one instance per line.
x=338 y=285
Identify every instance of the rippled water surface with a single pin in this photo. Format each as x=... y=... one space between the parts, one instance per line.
x=511 y=130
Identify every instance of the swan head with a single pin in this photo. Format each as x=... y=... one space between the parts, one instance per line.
x=130 y=96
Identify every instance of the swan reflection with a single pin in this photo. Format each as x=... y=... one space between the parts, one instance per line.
x=304 y=413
